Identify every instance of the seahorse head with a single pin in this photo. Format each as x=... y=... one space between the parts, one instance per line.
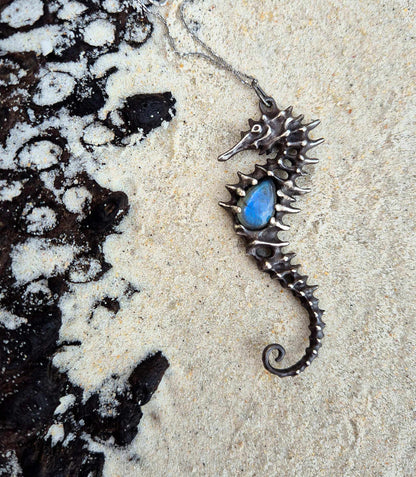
x=263 y=134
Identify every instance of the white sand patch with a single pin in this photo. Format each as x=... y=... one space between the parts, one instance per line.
x=71 y=10
x=12 y=78
x=97 y=134
x=48 y=179
x=40 y=220
x=72 y=128
x=53 y=88
x=36 y=292
x=17 y=137
x=11 y=465
x=112 y=6
x=11 y=321
x=22 y=13
x=70 y=437
x=40 y=155
x=37 y=257
x=77 y=69
x=99 y=33
x=137 y=32
x=116 y=118
x=76 y=198
x=8 y=191
x=84 y=269
x=65 y=402
x=83 y=319
x=56 y=433
x=40 y=40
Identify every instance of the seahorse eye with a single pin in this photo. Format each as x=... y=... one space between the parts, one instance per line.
x=256 y=128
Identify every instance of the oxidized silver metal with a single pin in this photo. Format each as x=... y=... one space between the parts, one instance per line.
x=278 y=131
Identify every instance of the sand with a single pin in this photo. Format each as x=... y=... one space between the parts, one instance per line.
x=205 y=304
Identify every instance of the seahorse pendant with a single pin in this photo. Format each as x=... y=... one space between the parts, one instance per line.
x=260 y=200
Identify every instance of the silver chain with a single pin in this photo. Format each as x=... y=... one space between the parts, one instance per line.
x=210 y=54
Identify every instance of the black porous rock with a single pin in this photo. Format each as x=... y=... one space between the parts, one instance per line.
x=147 y=111
x=73 y=459
x=106 y=213
x=141 y=113
x=122 y=419
x=30 y=386
x=88 y=98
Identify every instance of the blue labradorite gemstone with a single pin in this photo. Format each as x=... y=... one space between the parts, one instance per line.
x=257 y=207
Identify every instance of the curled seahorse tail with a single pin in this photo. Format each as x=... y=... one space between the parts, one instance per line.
x=297 y=284
x=260 y=201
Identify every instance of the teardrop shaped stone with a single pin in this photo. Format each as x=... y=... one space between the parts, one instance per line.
x=257 y=207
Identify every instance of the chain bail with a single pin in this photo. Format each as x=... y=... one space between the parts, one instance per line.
x=264 y=98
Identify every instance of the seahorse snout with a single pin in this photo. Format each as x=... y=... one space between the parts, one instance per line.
x=245 y=143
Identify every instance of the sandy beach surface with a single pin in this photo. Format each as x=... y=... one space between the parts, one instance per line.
x=202 y=300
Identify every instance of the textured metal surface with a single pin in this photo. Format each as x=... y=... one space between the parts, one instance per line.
x=279 y=132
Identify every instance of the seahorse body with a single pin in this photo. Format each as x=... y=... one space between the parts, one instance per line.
x=278 y=131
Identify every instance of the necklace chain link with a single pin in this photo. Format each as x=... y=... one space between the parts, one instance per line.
x=209 y=53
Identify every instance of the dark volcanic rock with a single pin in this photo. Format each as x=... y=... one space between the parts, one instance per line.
x=122 y=419
x=147 y=111
x=88 y=98
x=105 y=213
x=30 y=386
